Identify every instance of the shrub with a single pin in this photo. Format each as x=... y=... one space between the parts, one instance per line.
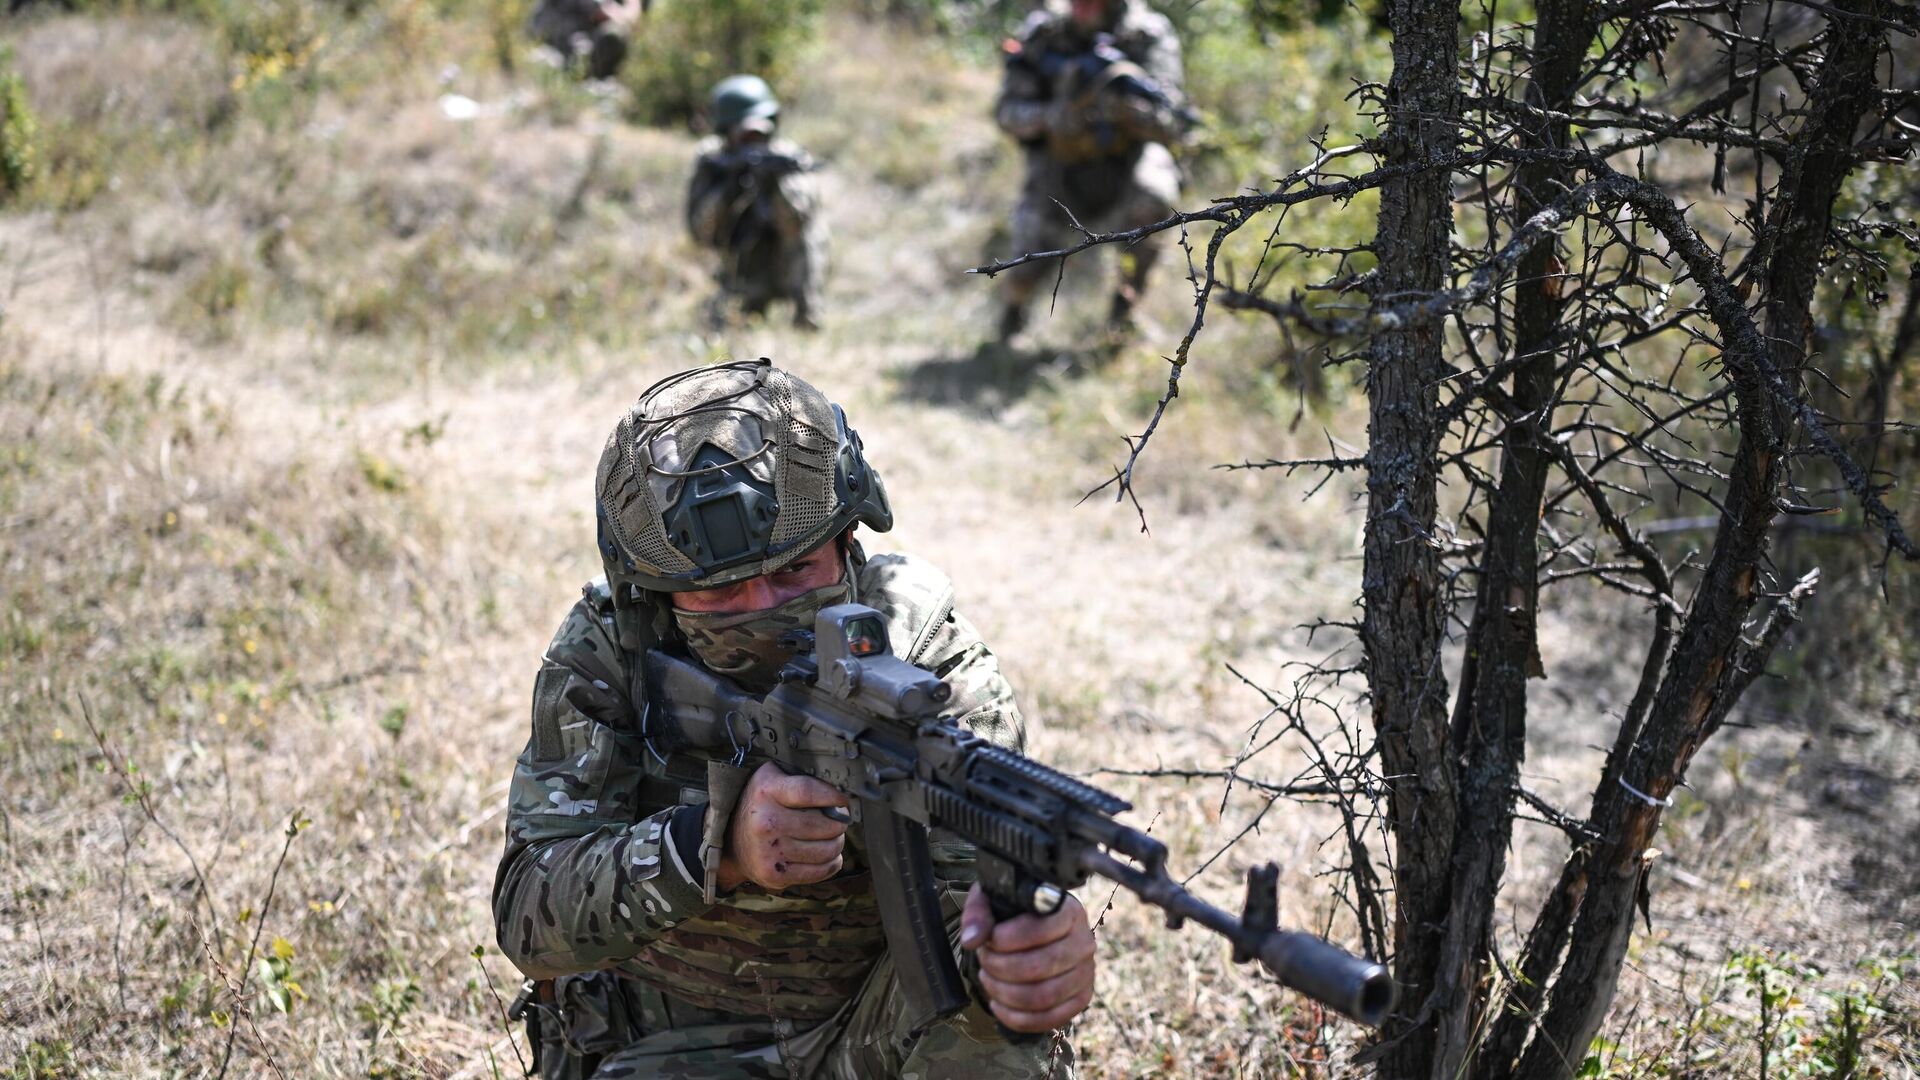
x=680 y=50
x=18 y=130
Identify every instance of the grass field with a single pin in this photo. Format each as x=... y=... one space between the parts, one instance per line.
x=302 y=383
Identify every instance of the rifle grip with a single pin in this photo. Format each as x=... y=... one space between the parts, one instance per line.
x=1004 y=909
x=909 y=897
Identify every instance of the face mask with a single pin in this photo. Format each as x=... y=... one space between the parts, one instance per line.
x=745 y=646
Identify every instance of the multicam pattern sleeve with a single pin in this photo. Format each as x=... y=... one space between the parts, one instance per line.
x=1021 y=108
x=797 y=192
x=590 y=875
x=1148 y=39
x=707 y=194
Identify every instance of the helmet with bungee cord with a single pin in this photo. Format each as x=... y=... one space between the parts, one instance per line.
x=719 y=474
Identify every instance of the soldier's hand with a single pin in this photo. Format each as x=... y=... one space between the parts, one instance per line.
x=1037 y=970
x=778 y=837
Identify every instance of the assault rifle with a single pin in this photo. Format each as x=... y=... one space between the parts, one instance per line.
x=751 y=177
x=1102 y=66
x=758 y=163
x=850 y=713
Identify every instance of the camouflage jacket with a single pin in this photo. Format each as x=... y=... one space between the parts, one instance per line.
x=1028 y=102
x=602 y=865
x=735 y=191
x=554 y=21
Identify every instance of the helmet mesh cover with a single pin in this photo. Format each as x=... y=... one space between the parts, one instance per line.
x=780 y=428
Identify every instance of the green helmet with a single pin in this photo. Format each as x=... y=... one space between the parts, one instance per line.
x=738 y=98
x=718 y=474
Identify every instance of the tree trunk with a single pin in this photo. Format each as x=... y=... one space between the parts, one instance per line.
x=1401 y=585
x=1490 y=732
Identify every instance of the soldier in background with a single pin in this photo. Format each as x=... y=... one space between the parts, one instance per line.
x=691 y=915
x=588 y=34
x=753 y=199
x=1092 y=92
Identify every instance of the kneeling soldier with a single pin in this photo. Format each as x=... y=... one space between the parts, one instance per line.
x=590 y=35
x=691 y=915
x=753 y=199
x=1092 y=92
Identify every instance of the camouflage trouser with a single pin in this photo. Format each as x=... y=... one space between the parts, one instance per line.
x=870 y=1037
x=1136 y=198
x=596 y=48
x=784 y=269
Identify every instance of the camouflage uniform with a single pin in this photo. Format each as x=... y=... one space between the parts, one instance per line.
x=603 y=873
x=760 y=210
x=1102 y=156
x=581 y=32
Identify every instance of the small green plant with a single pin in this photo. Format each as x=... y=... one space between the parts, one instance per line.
x=381 y=474
x=276 y=974
x=19 y=132
x=191 y=996
x=1770 y=982
x=216 y=295
x=392 y=1000
x=43 y=1061
x=270 y=40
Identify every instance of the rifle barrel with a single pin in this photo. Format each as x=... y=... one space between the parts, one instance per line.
x=1360 y=988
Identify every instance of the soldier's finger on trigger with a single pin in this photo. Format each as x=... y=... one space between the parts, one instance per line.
x=804 y=792
x=787 y=822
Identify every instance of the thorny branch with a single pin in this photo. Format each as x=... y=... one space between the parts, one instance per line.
x=1663 y=347
x=1385 y=314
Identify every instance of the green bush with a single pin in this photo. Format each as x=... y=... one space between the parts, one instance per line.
x=18 y=131
x=680 y=50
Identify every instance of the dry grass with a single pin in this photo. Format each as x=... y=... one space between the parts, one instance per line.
x=300 y=404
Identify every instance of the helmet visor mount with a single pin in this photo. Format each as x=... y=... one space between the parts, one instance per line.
x=725 y=514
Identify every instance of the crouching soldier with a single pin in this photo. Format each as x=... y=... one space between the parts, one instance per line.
x=688 y=914
x=1092 y=91
x=753 y=200
x=590 y=35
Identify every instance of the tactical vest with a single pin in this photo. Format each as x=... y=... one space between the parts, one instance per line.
x=802 y=953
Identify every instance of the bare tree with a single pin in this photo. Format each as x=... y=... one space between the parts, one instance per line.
x=1540 y=271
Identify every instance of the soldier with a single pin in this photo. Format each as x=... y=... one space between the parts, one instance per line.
x=729 y=926
x=589 y=33
x=753 y=199
x=1092 y=91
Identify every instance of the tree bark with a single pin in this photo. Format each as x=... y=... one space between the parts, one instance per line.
x=1491 y=726
x=1401 y=585
x=1711 y=666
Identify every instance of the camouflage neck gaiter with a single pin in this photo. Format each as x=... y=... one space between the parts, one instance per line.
x=745 y=646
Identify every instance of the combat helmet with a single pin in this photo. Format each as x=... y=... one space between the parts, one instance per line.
x=739 y=98
x=719 y=474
